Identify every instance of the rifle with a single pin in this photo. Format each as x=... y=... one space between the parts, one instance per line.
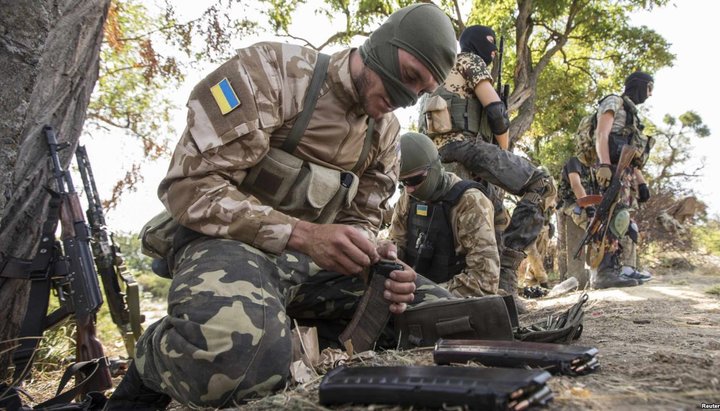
x=502 y=90
x=121 y=289
x=81 y=284
x=599 y=223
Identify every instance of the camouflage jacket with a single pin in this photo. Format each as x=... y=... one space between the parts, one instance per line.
x=267 y=84
x=614 y=103
x=469 y=70
x=474 y=232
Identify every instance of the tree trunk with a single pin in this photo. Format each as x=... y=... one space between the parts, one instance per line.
x=50 y=54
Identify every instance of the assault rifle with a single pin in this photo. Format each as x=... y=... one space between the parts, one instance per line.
x=502 y=90
x=121 y=289
x=599 y=224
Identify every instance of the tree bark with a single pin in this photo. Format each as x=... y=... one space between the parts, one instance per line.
x=50 y=54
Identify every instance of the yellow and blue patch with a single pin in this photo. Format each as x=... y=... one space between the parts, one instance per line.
x=421 y=210
x=225 y=96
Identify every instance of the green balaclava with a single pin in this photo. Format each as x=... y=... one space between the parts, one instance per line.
x=422 y=30
x=417 y=152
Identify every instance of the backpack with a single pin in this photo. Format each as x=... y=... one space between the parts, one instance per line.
x=584 y=137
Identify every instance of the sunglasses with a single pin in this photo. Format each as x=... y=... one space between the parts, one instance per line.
x=415 y=180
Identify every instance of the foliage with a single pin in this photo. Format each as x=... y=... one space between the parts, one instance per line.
x=707 y=236
x=140 y=266
x=714 y=290
x=673 y=150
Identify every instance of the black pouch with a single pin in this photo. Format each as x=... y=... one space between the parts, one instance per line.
x=562 y=328
x=480 y=317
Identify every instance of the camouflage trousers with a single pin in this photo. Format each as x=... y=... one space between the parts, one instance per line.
x=535 y=269
x=226 y=337
x=511 y=173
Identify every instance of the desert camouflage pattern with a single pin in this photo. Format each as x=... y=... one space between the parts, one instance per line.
x=535 y=273
x=614 y=103
x=474 y=233
x=226 y=337
x=202 y=187
x=468 y=72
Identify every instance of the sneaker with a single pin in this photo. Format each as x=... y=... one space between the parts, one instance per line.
x=640 y=276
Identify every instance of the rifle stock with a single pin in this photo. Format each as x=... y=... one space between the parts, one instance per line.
x=599 y=222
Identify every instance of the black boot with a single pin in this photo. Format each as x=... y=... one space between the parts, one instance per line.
x=132 y=394
x=608 y=275
x=509 y=262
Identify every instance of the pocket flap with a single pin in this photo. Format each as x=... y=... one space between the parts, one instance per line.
x=435 y=103
x=324 y=184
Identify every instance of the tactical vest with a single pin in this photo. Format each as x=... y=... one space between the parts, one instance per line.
x=447 y=112
x=630 y=134
x=430 y=247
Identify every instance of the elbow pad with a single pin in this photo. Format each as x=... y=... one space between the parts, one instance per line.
x=497 y=117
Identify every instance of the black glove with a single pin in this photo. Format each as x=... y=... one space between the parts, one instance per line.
x=643 y=193
x=589 y=212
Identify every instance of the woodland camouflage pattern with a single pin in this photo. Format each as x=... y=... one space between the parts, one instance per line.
x=228 y=309
x=226 y=337
x=468 y=72
x=474 y=233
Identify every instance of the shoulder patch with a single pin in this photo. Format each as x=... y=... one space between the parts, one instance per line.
x=421 y=210
x=225 y=96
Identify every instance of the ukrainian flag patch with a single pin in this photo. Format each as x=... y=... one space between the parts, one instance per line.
x=421 y=210
x=225 y=96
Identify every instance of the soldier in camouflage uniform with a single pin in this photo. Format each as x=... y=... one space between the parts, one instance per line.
x=469 y=124
x=443 y=225
x=618 y=124
x=535 y=273
x=250 y=254
x=577 y=182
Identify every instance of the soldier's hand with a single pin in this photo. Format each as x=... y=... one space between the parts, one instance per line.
x=334 y=247
x=604 y=175
x=399 y=288
x=589 y=212
x=387 y=250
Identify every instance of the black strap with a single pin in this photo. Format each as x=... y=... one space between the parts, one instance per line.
x=298 y=128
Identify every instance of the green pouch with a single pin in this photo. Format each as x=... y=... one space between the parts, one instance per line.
x=468 y=318
x=156 y=236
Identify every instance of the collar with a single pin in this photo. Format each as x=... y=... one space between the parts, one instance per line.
x=341 y=82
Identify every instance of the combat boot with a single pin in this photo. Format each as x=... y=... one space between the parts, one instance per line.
x=132 y=394
x=509 y=262
x=608 y=275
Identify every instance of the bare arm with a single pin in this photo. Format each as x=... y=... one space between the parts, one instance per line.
x=602 y=142
x=576 y=185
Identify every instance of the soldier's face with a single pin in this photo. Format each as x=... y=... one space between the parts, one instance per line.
x=413 y=74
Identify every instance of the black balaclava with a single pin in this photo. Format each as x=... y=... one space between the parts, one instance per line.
x=636 y=86
x=474 y=40
x=418 y=152
x=422 y=30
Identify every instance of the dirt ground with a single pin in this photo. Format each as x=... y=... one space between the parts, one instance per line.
x=659 y=349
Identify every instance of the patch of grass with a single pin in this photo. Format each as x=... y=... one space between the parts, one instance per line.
x=714 y=290
x=679 y=282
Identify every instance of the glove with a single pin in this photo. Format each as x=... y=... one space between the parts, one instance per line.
x=589 y=212
x=643 y=193
x=604 y=175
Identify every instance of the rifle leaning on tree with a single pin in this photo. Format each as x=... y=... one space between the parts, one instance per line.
x=598 y=226
x=121 y=289
x=67 y=268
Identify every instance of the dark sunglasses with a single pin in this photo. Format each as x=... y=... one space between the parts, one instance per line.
x=414 y=180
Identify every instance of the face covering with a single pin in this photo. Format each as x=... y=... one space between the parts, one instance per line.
x=407 y=29
x=474 y=40
x=418 y=152
x=636 y=86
